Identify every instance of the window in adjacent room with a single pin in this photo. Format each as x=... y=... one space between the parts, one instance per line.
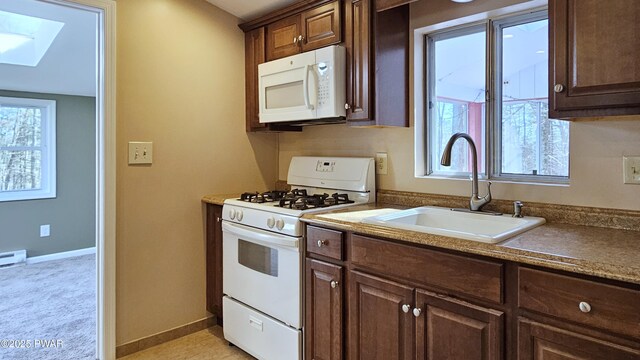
x=27 y=149
x=496 y=91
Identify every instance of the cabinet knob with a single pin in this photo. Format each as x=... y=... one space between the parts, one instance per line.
x=406 y=308
x=584 y=307
x=334 y=284
x=417 y=312
x=300 y=38
x=218 y=219
x=322 y=243
x=347 y=107
x=558 y=88
x=295 y=39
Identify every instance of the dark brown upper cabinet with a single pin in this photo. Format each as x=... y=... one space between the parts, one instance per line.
x=254 y=55
x=308 y=30
x=377 y=44
x=282 y=38
x=593 y=61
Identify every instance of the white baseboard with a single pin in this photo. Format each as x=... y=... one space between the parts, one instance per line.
x=61 y=255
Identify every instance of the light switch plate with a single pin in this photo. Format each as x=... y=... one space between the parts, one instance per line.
x=140 y=152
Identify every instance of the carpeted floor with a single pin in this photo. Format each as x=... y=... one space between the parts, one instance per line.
x=48 y=310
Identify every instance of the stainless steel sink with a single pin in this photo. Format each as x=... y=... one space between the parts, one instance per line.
x=463 y=225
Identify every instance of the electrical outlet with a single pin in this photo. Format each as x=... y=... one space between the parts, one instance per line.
x=140 y=152
x=631 y=169
x=381 y=163
x=45 y=230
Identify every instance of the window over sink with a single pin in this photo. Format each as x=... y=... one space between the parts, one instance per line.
x=489 y=79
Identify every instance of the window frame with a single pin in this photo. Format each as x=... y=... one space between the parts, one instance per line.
x=493 y=98
x=48 y=188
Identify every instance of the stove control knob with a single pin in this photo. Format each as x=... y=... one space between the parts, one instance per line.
x=271 y=222
x=280 y=224
x=232 y=214
x=239 y=215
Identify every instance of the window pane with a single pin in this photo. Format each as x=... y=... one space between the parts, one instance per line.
x=20 y=126
x=457 y=102
x=532 y=143
x=20 y=170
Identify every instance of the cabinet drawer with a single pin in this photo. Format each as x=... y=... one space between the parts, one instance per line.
x=611 y=308
x=324 y=242
x=477 y=278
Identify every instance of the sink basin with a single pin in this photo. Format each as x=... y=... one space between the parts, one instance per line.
x=463 y=225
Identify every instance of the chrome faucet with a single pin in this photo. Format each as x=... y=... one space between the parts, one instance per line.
x=476 y=203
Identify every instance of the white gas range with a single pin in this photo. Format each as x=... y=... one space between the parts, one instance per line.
x=263 y=251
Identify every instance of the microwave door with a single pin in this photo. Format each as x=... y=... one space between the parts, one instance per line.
x=288 y=94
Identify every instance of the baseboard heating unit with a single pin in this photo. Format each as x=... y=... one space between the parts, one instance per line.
x=13 y=258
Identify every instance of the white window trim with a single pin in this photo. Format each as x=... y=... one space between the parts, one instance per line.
x=48 y=171
x=422 y=87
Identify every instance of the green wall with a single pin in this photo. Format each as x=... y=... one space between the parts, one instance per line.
x=72 y=213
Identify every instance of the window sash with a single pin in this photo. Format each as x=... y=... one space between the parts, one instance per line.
x=495 y=28
x=430 y=57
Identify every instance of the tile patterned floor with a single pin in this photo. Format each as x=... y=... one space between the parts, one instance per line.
x=207 y=344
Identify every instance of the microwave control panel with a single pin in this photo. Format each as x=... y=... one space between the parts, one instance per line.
x=324 y=82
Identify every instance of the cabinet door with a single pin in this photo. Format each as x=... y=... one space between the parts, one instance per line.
x=282 y=38
x=594 y=67
x=254 y=55
x=379 y=329
x=543 y=342
x=360 y=79
x=321 y=26
x=452 y=329
x=214 y=260
x=323 y=327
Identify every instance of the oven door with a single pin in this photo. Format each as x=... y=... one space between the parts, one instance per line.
x=262 y=269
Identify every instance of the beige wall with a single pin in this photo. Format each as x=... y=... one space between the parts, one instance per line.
x=180 y=84
x=596 y=147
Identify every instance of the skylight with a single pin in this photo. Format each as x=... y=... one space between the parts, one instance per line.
x=25 y=39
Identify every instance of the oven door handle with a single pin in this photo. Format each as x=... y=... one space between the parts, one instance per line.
x=260 y=236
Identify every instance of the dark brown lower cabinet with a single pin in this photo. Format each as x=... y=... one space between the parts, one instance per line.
x=379 y=329
x=214 y=260
x=453 y=329
x=538 y=341
x=419 y=303
x=323 y=315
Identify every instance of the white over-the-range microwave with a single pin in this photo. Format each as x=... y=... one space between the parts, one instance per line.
x=307 y=86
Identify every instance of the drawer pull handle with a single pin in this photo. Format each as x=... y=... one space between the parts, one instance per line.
x=584 y=307
x=417 y=312
x=406 y=308
x=322 y=243
x=334 y=284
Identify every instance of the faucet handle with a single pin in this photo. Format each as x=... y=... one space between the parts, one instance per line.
x=517 y=209
x=488 y=196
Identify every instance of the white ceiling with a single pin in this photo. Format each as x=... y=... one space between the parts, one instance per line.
x=250 y=9
x=69 y=66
